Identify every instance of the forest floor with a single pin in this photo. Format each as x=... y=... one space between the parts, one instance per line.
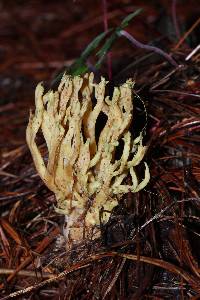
x=150 y=248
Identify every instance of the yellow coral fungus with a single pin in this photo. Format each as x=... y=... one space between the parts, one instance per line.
x=82 y=169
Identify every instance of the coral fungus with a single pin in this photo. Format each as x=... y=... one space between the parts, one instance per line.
x=82 y=168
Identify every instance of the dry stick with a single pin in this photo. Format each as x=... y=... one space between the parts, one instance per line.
x=119 y=269
x=3 y=173
x=176 y=92
x=148 y=47
x=41 y=247
x=194 y=51
x=41 y=284
x=166 y=265
x=25 y=273
x=164 y=79
x=194 y=282
x=14 y=195
x=187 y=33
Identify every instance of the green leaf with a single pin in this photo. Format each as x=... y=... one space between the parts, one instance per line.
x=94 y=44
x=110 y=41
x=105 y=49
x=79 y=67
x=128 y=18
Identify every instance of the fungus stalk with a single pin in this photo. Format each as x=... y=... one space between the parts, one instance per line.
x=82 y=170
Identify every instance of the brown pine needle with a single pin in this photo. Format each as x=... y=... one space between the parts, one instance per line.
x=187 y=33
